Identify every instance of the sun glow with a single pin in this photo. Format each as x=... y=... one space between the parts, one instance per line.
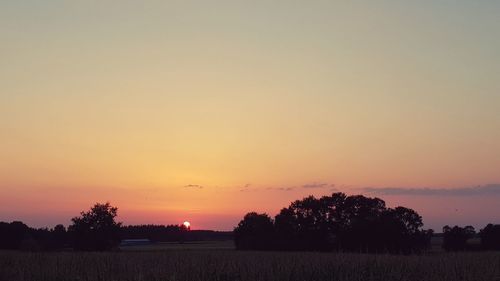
x=186 y=224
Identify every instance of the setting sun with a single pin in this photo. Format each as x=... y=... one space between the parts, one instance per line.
x=187 y=224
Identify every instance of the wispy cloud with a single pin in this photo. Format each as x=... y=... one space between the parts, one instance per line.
x=247 y=187
x=489 y=190
x=196 y=186
x=314 y=185
x=318 y=185
x=281 y=188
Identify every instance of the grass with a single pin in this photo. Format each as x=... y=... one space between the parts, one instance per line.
x=225 y=264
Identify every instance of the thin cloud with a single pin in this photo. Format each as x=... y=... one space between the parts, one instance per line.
x=318 y=185
x=487 y=190
x=247 y=188
x=194 y=186
x=281 y=188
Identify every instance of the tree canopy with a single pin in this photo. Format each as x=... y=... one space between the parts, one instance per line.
x=337 y=222
x=96 y=230
x=455 y=238
x=490 y=237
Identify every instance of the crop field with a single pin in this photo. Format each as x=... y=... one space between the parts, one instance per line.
x=196 y=245
x=210 y=263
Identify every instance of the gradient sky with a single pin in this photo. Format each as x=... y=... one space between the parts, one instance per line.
x=205 y=110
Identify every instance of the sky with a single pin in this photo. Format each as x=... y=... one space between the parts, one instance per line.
x=206 y=110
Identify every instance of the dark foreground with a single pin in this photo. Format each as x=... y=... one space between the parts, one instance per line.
x=219 y=264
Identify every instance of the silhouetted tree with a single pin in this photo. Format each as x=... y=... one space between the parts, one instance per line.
x=12 y=234
x=17 y=235
x=254 y=232
x=339 y=222
x=399 y=230
x=309 y=224
x=155 y=233
x=171 y=233
x=490 y=237
x=455 y=238
x=96 y=230
x=361 y=232
x=287 y=231
x=58 y=237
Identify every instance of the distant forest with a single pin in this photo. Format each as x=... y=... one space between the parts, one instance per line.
x=18 y=236
x=330 y=223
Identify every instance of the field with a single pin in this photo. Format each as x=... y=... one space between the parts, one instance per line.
x=210 y=261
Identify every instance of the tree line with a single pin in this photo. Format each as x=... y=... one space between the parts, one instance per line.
x=95 y=230
x=330 y=223
x=456 y=238
x=348 y=223
x=172 y=233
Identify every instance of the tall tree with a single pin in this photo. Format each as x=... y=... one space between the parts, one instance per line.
x=96 y=230
x=490 y=237
x=254 y=232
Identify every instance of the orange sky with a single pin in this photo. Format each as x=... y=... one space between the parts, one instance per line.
x=185 y=110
